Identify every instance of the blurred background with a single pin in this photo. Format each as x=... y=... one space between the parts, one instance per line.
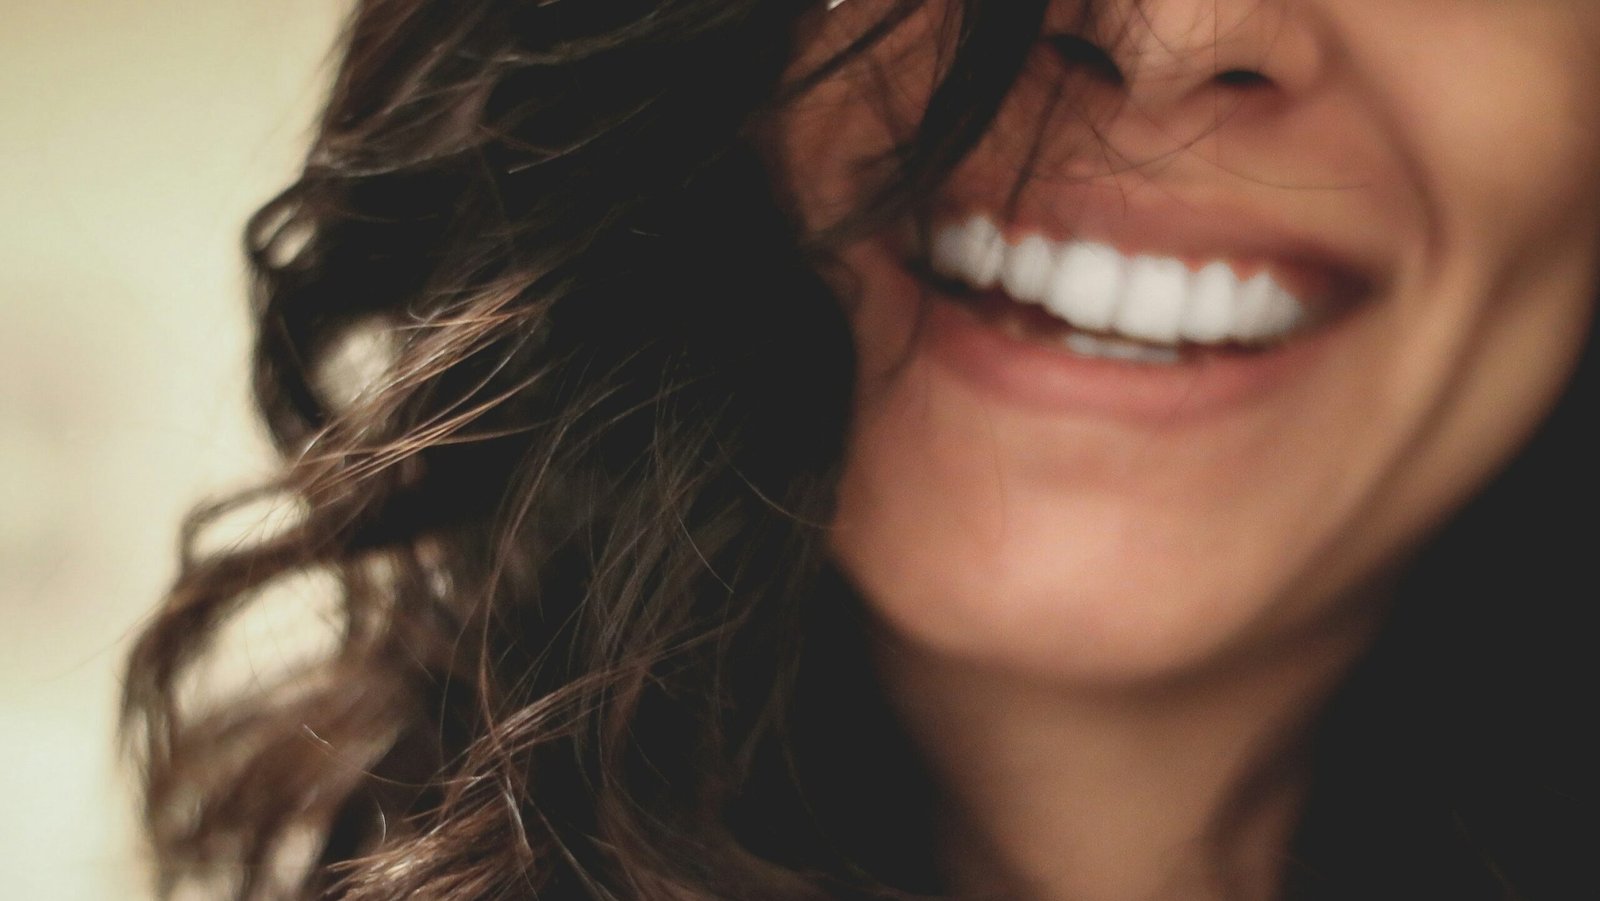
x=135 y=137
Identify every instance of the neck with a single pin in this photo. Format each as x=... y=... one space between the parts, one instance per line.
x=1130 y=793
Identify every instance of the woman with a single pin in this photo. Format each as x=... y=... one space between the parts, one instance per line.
x=1033 y=450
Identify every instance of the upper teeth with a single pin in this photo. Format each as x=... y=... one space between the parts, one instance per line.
x=1095 y=287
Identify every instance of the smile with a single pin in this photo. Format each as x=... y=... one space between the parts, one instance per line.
x=1204 y=313
x=1097 y=301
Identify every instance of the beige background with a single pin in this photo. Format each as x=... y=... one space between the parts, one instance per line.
x=135 y=136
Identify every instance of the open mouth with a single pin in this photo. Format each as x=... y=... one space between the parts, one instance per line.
x=1091 y=299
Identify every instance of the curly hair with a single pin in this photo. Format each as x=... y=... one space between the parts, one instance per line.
x=590 y=645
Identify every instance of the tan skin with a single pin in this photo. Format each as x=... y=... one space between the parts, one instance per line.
x=1098 y=618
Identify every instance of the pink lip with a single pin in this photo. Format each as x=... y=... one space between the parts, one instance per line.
x=1055 y=381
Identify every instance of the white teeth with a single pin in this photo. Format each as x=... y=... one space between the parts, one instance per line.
x=1153 y=300
x=1209 y=313
x=1087 y=285
x=974 y=252
x=1265 y=310
x=1087 y=345
x=1094 y=287
x=1251 y=303
x=1028 y=267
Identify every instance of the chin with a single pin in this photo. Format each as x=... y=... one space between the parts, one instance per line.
x=1086 y=593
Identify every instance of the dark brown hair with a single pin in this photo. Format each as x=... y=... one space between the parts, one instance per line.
x=575 y=522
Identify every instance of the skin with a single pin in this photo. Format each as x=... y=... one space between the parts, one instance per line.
x=1070 y=591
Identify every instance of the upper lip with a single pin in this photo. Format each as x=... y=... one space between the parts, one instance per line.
x=1199 y=227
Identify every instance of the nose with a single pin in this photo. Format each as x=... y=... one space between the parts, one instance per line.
x=1166 y=57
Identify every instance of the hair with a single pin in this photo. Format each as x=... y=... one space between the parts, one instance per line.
x=576 y=523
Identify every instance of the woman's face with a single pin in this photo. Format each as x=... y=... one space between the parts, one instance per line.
x=1419 y=183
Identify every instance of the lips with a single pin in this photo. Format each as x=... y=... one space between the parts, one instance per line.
x=1134 y=312
x=1174 y=272
x=1145 y=297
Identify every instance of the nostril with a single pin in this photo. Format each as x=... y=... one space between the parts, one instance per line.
x=1081 y=53
x=1241 y=78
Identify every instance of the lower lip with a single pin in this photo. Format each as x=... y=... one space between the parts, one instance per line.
x=1035 y=375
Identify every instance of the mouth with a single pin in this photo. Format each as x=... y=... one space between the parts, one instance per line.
x=1092 y=299
x=1171 y=329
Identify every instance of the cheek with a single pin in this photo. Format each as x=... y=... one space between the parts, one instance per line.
x=1507 y=156
x=1506 y=150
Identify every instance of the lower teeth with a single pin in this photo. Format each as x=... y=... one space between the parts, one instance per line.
x=1086 y=345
